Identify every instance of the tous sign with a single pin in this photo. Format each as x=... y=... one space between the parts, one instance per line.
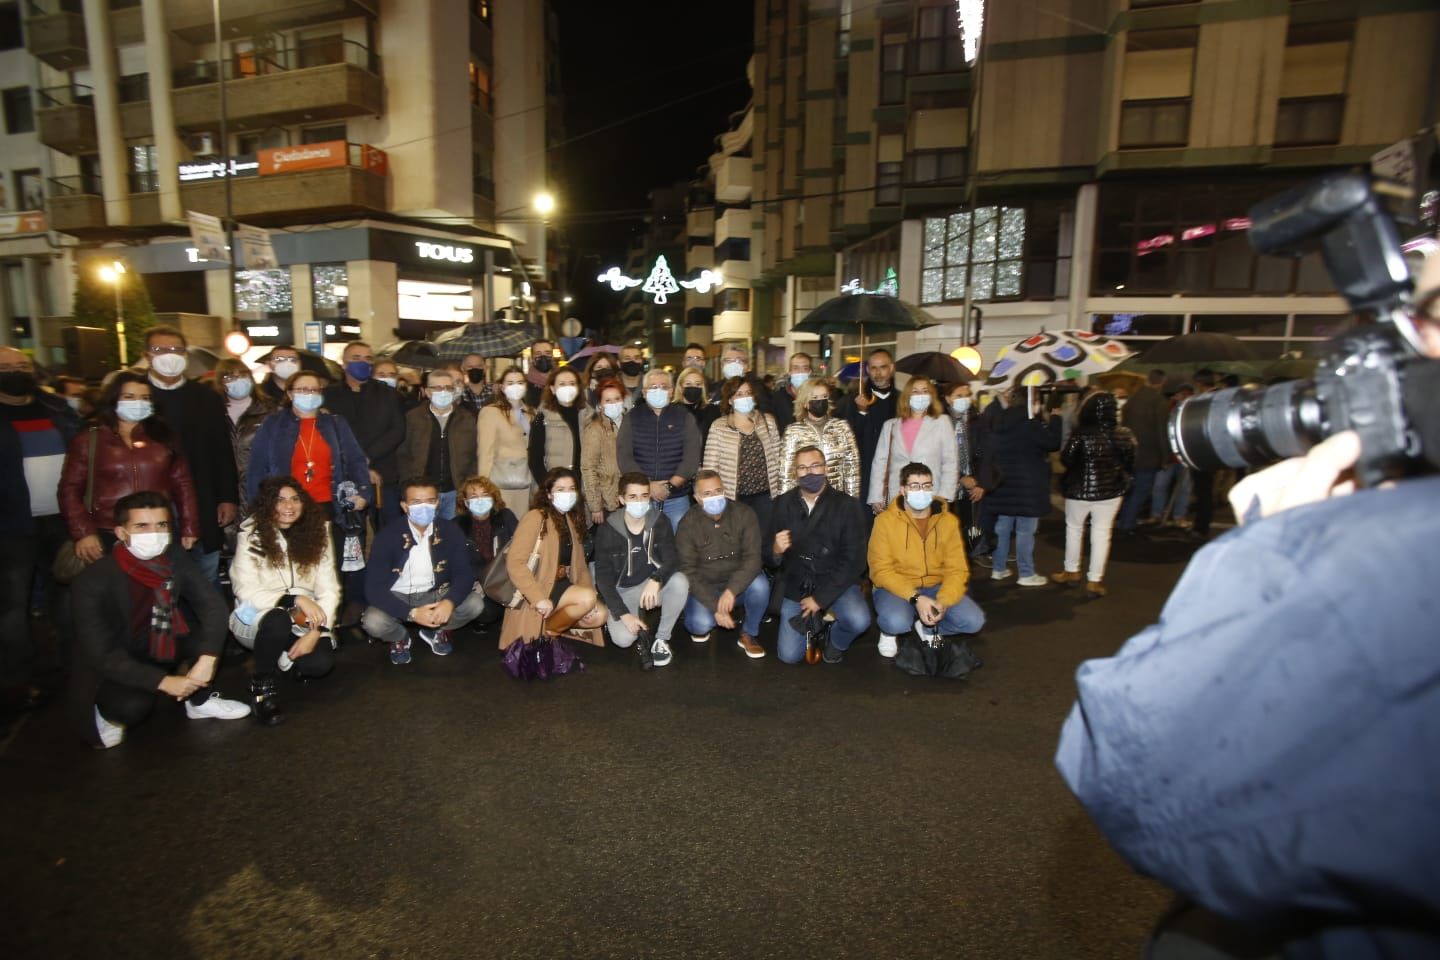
x=441 y=251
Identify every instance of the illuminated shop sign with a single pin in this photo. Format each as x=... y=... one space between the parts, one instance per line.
x=199 y=171
x=453 y=253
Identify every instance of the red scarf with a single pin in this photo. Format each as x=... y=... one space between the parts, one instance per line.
x=165 y=618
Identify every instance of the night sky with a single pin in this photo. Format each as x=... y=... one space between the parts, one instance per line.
x=666 y=60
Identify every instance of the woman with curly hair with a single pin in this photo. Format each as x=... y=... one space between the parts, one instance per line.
x=286 y=590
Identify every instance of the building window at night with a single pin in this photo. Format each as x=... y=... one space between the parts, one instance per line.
x=264 y=294
x=1312 y=84
x=19 y=110
x=930 y=167
x=892 y=73
x=1157 y=86
x=937 y=45
x=29 y=189
x=330 y=291
x=984 y=247
x=733 y=300
x=480 y=94
x=888 y=178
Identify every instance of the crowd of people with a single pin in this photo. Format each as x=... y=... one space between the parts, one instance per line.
x=288 y=512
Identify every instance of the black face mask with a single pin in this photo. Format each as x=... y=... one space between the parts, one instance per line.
x=542 y=364
x=812 y=482
x=601 y=373
x=632 y=368
x=17 y=383
x=475 y=374
x=693 y=395
x=819 y=406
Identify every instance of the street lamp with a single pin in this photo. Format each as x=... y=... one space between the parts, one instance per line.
x=112 y=274
x=544 y=203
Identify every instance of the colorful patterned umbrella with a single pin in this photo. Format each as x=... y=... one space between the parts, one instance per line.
x=1049 y=358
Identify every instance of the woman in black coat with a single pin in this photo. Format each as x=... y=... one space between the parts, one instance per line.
x=1021 y=439
x=1099 y=459
x=488 y=526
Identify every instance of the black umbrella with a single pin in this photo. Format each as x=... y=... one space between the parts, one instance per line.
x=494 y=339
x=1198 y=348
x=938 y=367
x=420 y=354
x=855 y=312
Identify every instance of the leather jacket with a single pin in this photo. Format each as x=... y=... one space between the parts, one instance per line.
x=1099 y=456
x=121 y=470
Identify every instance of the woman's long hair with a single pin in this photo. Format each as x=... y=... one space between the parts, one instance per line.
x=547 y=397
x=541 y=500
x=305 y=542
x=155 y=427
x=903 y=411
x=502 y=401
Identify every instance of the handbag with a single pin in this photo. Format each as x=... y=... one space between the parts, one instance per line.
x=950 y=659
x=497 y=583
x=540 y=659
x=68 y=565
x=511 y=473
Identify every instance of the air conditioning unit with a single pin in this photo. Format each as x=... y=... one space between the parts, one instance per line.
x=203 y=145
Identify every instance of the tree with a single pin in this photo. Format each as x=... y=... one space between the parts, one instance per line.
x=94 y=306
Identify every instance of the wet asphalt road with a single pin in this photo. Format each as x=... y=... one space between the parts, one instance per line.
x=719 y=807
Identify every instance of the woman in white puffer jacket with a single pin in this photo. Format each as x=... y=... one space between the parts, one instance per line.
x=920 y=433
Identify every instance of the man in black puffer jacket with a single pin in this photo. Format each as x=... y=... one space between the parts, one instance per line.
x=1099 y=463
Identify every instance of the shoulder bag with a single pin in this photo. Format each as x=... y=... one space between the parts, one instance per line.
x=497 y=583
x=67 y=565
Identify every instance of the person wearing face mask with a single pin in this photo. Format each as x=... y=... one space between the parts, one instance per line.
x=662 y=441
x=542 y=364
x=690 y=393
x=815 y=425
x=1099 y=460
x=917 y=564
x=600 y=367
x=141 y=611
x=974 y=467
x=637 y=573
x=127 y=448
x=559 y=424
x=1022 y=437
x=721 y=556
x=284 y=363
x=921 y=433
x=695 y=358
x=814 y=546
x=196 y=416
x=440 y=440
x=599 y=467
x=735 y=362
x=419 y=576
x=488 y=526
x=35 y=429
x=557 y=597
x=871 y=406
x=632 y=372
x=783 y=399
x=476 y=390
x=503 y=445
x=246 y=408
x=744 y=448
x=374 y=414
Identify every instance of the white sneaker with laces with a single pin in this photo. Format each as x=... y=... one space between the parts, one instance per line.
x=217 y=708
x=703 y=638
x=1034 y=580
x=999 y=573
x=111 y=734
x=888 y=646
x=660 y=651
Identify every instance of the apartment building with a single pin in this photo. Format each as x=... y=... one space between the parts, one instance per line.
x=1066 y=163
x=392 y=149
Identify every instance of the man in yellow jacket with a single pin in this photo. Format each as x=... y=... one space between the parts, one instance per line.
x=917 y=564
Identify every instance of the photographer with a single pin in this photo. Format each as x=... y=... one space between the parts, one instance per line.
x=1268 y=749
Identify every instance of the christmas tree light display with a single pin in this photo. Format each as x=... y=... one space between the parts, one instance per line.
x=661 y=282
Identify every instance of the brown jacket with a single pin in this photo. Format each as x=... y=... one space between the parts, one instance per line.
x=599 y=469
x=523 y=622
x=121 y=470
x=414 y=453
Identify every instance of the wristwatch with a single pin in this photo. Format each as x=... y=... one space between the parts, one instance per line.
x=668 y=485
x=914 y=597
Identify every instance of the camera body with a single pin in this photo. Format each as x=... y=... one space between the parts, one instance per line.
x=1360 y=381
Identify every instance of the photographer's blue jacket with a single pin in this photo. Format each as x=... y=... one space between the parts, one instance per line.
x=1271 y=747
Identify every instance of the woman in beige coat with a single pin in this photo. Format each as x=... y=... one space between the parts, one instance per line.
x=559 y=597
x=503 y=442
x=599 y=469
x=744 y=448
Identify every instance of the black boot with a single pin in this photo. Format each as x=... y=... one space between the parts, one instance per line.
x=266 y=700
x=643 y=641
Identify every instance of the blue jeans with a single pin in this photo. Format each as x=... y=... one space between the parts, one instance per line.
x=446 y=509
x=675 y=507
x=700 y=619
x=209 y=563
x=1178 y=475
x=1024 y=528
x=1136 y=500
x=897 y=615
x=852 y=618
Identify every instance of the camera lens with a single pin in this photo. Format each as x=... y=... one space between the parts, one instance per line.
x=1247 y=426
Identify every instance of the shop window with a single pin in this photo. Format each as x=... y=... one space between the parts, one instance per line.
x=19 y=110
x=30 y=189
x=264 y=294
x=984 y=248
x=888 y=180
x=1157 y=325
x=1271 y=325
x=330 y=290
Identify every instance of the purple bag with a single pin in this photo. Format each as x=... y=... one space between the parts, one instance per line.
x=540 y=659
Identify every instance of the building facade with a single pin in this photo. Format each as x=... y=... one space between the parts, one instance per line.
x=1067 y=163
x=392 y=150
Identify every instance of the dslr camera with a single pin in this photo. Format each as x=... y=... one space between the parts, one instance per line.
x=1368 y=379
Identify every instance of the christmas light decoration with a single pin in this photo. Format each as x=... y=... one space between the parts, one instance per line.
x=971 y=14
x=707 y=280
x=661 y=282
x=617 y=280
x=889 y=287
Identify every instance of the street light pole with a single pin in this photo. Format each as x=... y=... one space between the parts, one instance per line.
x=112 y=275
x=227 y=167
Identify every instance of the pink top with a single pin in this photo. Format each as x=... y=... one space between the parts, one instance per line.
x=909 y=430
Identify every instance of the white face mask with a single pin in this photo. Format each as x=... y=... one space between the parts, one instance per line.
x=657 y=397
x=285 y=369
x=615 y=410
x=732 y=369
x=743 y=405
x=798 y=378
x=919 y=402
x=960 y=404
x=564 y=500
x=169 y=364
x=148 y=546
x=239 y=389
x=514 y=392
x=442 y=399
x=566 y=394
x=390 y=382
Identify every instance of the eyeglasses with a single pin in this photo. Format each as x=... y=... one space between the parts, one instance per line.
x=232 y=377
x=307 y=391
x=810 y=467
x=918 y=487
x=161 y=351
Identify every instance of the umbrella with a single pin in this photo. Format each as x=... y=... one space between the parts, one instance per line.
x=595 y=348
x=938 y=367
x=849 y=372
x=486 y=339
x=420 y=354
x=1054 y=358
x=1198 y=348
x=855 y=312
x=201 y=363
x=1291 y=368
x=312 y=362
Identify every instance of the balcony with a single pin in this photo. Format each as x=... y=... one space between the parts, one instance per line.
x=732 y=180
x=55 y=33
x=74 y=205
x=732 y=224
x=327 y=79
x=700 y=224
x=65 y=115
x=250 y=17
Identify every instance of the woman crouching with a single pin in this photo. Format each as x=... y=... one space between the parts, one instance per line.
x=286 y=590
x=558 y=596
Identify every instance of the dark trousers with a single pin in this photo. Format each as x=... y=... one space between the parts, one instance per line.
x=125 y=705
x=763 y=505
x=275 y=636
x=1204 y=484
x=22 y=559
x=352 y=582
x=1136 y=499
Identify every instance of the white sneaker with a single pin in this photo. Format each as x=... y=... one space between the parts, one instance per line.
x=702 y=638
x=111 y=734
x=1034 y=580
x=660 y=651
x=217 y=708
x=1000 y=573
x=888 y=647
